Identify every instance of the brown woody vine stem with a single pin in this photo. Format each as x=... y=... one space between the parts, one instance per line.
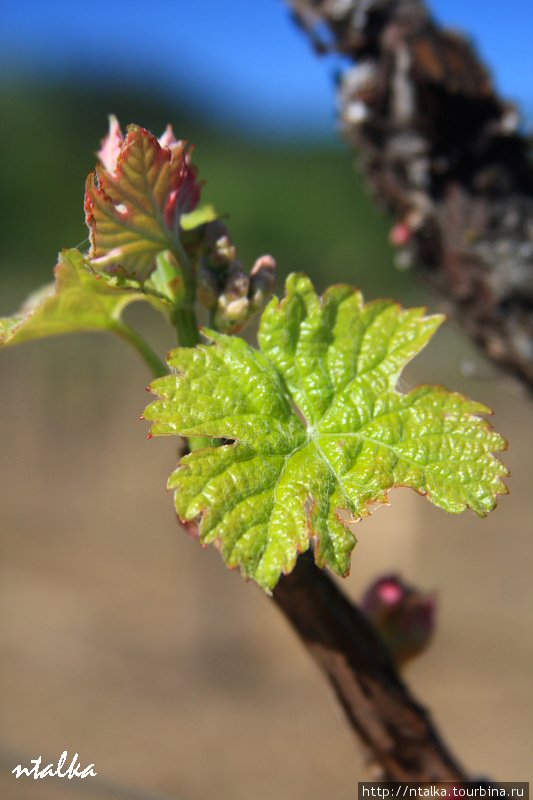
x=395 y=728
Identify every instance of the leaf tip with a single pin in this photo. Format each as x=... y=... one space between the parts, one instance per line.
x=298 y=282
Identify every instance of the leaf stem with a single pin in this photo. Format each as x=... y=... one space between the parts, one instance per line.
x=186 y=324
x=150 y=358
x=187 y=272
x=184 y=314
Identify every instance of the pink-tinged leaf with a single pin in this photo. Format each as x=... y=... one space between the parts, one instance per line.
x=133 y=211
x=168 y=139
x=111 y=145
x=188 y=197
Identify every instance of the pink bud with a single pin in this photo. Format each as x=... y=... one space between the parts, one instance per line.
x=400 y=234
x=403 y=616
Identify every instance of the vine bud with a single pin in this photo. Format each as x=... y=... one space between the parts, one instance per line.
x=262 y=279
x=233 y=304
x=219 y=248
x=207 y=288
x=231 y=315
x=237 y=284
x=224 y=251
x=403 y=616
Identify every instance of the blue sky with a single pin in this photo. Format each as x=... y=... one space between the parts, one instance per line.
x=243 y=58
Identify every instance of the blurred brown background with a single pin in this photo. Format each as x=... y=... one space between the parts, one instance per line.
x=121 y=639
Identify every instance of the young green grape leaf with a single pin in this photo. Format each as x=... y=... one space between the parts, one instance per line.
x=78 y=301
x=200 y=216
x=135 y=198
x=288 y=473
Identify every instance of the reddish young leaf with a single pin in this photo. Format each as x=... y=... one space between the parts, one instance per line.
x=112 y=144
x=134 y=199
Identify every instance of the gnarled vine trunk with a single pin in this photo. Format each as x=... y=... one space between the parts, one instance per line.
x=444 y=154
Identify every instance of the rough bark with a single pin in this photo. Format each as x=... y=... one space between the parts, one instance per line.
x=397 y=731
x=443 y=153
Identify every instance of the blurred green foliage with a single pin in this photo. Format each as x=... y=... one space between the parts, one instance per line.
x=304 y=205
